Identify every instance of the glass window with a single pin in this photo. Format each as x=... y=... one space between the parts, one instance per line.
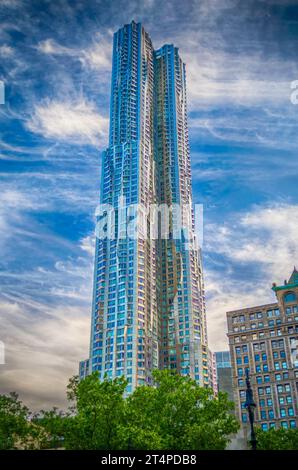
x=289 y=297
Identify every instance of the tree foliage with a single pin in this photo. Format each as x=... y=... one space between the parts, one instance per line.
x=174 y=414
x=52 y=427
x=98 y=413
x=178 y=414
x=13 y=421
x=277 y=439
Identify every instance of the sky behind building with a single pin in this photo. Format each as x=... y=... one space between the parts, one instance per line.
x=241 y=58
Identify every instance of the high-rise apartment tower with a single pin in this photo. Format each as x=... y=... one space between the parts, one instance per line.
x=148 y=301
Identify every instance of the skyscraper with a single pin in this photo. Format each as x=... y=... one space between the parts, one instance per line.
x=148 y=301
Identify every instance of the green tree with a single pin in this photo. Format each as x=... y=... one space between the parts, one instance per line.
x=14 y=426
x=98 y=413
x=277 y=439
x=177 y=414
x=54 y=424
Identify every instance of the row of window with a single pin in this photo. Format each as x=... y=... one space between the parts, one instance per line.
x=284 y=424
x=289 y=297
x=255 y=315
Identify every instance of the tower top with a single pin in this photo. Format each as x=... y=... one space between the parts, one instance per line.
x=292 y=282
x=294 y=277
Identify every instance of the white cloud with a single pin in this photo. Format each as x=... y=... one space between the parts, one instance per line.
x=225 y=293
x=77 y=122
x=88 y=244
x=255 y=127
x=265 y=238
x=13 y=205
x=218 y=77
x=97 y=56
x=45 y=326
x=42 y=351
x=11 y=3
x=50 y=46
x=6 y=51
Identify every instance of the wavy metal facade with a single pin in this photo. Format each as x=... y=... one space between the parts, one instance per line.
x=148 y=301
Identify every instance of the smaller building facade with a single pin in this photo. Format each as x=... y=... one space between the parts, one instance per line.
x=224 y=373
x=212 y=371
x=84 y=369
x=264 y=339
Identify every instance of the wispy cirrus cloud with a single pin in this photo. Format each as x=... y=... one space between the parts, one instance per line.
x=79 y=121
x=97 y=56
x=220 y=77
x=266 y=236
x=42 y=350
x=253 y=250
x=6 y=51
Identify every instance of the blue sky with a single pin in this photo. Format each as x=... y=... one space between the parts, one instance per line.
x=55 y=60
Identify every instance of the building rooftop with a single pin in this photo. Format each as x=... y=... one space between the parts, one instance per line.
x=255 y=307
x=292 y=282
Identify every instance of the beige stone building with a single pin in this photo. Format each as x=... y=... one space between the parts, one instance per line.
x=264 y=339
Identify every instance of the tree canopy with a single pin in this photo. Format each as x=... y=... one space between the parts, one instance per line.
x=14 y=424
x=174 y=414
x=278 y=439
